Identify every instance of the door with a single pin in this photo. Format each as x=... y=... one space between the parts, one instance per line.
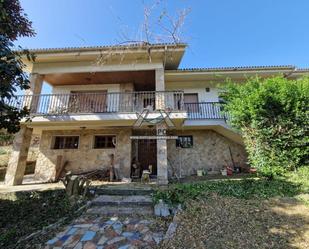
x=191 y=102
x=147 y=154
x=88 y=101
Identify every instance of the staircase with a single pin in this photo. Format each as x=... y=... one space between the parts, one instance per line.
x=123 y=200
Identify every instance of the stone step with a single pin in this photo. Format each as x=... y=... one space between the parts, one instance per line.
x=120 y=210
x=122 y=200
x=124 y=191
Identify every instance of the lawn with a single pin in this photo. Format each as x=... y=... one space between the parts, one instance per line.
x=24 y=213
x=248 y=213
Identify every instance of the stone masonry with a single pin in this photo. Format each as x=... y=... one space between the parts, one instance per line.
x=17 y=163
x=210 y=152
x=85 y=158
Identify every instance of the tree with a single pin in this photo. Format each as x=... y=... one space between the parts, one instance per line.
x=13 y=24
x=157 y=26
x=272 y=115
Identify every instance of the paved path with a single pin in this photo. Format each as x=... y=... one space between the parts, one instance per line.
x=109 y=233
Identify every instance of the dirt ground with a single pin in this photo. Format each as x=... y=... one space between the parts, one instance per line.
x=226 y=222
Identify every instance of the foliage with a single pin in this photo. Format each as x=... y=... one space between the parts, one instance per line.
x=272 y=115
x=289 y=185
x=13 y=24
x=5 y=138
x=29 y=212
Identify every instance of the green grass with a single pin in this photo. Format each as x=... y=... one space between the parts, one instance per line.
x=290 y=185
x=24 y=213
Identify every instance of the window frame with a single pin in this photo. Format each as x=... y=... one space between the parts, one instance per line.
x=54 y=141
x=178 y=144
x=103 y=135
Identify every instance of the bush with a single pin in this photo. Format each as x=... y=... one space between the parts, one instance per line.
x=272 y=115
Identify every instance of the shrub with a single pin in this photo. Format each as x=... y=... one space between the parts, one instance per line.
x=272 y=115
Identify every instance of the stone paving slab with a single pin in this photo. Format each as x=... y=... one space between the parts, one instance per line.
x=93 y=232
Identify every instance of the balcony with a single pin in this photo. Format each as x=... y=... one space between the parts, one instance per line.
x=98 y=103
x=205 y=110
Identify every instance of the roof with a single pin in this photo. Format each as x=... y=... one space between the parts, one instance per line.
x=237 y=73
x=244 y=68
x=142 y=45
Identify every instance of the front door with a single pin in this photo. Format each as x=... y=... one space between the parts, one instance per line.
x=147 y=154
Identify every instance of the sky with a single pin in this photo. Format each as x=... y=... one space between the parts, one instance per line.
x=219 y=33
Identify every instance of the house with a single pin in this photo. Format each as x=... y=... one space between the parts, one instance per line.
x=112 y=101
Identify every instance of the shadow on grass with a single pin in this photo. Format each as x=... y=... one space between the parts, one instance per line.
x=228 y=222
x=247 y=213
x=23 y=213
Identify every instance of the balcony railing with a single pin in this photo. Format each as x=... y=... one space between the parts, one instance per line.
x=205 y=110
x=85 y=103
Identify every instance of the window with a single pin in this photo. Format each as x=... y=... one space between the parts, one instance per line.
x=104 y=142
x=184 y=141
x=66 y=142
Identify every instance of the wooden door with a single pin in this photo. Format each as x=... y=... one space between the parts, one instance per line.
x=147 y=154
x=191 y=102
x=88 y=101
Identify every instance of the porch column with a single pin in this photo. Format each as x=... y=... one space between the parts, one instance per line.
x=162 y=175
x=17 y=162
x=36 y=82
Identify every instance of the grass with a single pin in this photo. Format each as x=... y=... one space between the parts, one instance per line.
x=24 y=213
x=4 y=155
x=246 y=213
x=229 y=222
x=292 y=184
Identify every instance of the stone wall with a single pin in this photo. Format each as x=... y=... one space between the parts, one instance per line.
x=34 y=147
x=210 y=152
x=85 y=158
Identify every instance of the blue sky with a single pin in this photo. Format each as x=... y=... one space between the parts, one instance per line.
x=219 y=32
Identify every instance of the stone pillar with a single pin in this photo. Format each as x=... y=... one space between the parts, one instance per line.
x=17 y=163
x=123 y=153
x=160 y=86
x=162 y=173
x=36 y=82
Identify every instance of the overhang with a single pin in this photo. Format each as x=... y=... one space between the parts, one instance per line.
x=167 y=53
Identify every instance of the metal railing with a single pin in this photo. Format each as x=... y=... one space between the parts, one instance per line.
x=57 y=104
x=205 y=110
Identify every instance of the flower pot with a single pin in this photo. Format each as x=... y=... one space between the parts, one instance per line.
x=224 y=172
x=200 y=172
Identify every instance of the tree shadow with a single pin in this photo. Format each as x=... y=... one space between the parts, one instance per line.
x=224 y=218
x=22 y=213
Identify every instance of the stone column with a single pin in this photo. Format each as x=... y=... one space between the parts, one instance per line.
x=17 y=162
x=160 y=86
x=36 y=82
x=162 y=172
x=162 y=175
x=123 y=153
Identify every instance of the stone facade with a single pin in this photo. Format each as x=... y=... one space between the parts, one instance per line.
x=210 y=152
x=18 y=159
x=85 y=158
